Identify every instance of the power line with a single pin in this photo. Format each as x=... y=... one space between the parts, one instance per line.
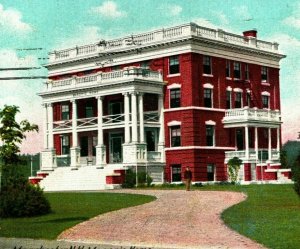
x=18 y=68
x=24 y=78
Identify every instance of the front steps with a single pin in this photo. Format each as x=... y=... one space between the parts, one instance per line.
x=85 y=178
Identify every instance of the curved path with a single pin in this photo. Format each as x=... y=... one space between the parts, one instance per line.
x=177 y=219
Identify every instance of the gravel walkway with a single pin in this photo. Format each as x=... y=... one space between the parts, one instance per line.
x=177 y=219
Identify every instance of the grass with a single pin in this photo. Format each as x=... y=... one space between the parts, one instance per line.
x=270 y=215
x=69 y=209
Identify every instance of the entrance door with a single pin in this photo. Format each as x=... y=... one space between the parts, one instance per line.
x=150 y=140
x=239 y=140
x=115 y=153
x=84 y=146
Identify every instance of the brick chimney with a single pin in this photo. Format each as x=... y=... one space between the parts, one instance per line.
x=250 y=33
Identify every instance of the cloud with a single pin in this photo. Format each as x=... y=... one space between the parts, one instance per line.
x=109 y=9
x=242 y=12
x=23 y=93
x=11 y=21
x=173 y=10
x=205 y=23
x=221 y=17
x=294 y=19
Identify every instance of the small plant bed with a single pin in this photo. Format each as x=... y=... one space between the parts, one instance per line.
x=270 y=215
x=68 y=209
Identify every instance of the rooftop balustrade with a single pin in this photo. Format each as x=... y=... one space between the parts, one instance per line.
x=160 y=36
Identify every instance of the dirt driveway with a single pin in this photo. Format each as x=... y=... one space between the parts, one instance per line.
x=177 y=219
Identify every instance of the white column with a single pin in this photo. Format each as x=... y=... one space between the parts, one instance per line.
x=141 y=116
x=100 y=119
x=45 y=125
x=256 y=143
x=278 y=139
x=74 y=124
x=127 y=117
x=270 y=144
x=134 y=117
x=247 y=141
x=161 y=137
x=50 y=126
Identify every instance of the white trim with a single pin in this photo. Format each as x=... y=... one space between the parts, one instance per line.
x=199 y=148
x=229 y=88
x=194 y=108
x=174 y=123
x=208 y=85
x=238 y=90
x=174 y=86
x=173 y=75
x=210 y=122
x=207 y=75
x=265 y=93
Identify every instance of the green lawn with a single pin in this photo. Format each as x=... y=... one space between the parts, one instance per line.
x=270 y=215
x=69 y=209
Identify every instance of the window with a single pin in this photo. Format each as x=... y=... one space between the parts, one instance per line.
x=238 y=100
x=237 y=70
x=174 y=65
x=227 y=69
x=228 y=99
x=210 y=172
x=207 y=65
x=248 y=96
x=247 y=72
x=210 y=135
x=65 y=145
x=264 y=74
x=176 y=172
x=265 y=101
x=89 y=109
x=145 y=64
x=207 y=97
x=65 y=111
x=174 y=98
x=175 y=136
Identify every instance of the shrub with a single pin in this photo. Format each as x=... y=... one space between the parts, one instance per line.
x=296 y=175
x=130 y=179
x=234 y=165
x=18 y=198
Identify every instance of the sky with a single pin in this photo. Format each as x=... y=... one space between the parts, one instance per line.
x=54 y=24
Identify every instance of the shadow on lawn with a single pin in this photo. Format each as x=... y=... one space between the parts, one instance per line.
x=61 y=220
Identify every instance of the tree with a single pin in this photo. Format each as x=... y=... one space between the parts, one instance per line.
x=234 y=165
x=17 y=196
x=296 y=175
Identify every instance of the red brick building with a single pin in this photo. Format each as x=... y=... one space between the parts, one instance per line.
x=161 y=101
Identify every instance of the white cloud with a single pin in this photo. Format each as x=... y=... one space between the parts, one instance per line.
x=174 y=10
x=242 y=12
x=11 y=21
x=109 y=9
x=205 y=23
x=222 y=18
x=294 y=19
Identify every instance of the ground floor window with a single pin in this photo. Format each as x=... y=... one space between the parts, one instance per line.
x=210 y=172
x=176 y=172
x=65 y=145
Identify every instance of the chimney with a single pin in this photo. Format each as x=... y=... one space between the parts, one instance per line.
x=250 y=33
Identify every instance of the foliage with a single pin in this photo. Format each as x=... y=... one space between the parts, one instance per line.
x=296 y=175
x=69 y=209
x=283 y=159
x=130 y=179
x=291 y=149
x=17 y=197
x=234 y=165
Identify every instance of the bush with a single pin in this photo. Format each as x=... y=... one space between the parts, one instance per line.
x=18 y=198
x=296 y=176
x=130 y=179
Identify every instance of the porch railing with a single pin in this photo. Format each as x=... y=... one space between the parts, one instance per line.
x=112 y=119
x=63 y=160
x=154 y=156
x=151 y=116
x=262 y=155
x=83 y=122
x=62 y=124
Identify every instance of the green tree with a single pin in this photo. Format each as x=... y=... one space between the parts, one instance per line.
x=296 y=175
x=283 y=159
x=18 y=197
x=234 y=165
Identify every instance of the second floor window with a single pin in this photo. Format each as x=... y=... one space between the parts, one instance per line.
x=89 y=110
x=248 y=96
x=174 y=65
x=228 y=99
x=264 y=74
x=207 y=65
x=175 y=136
x=227 y=70
x=174 y=98
x=237 y=70
x=207 y=97
x=210 y=130
x=238 y=100
x=265 y=101
x=65 y=111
